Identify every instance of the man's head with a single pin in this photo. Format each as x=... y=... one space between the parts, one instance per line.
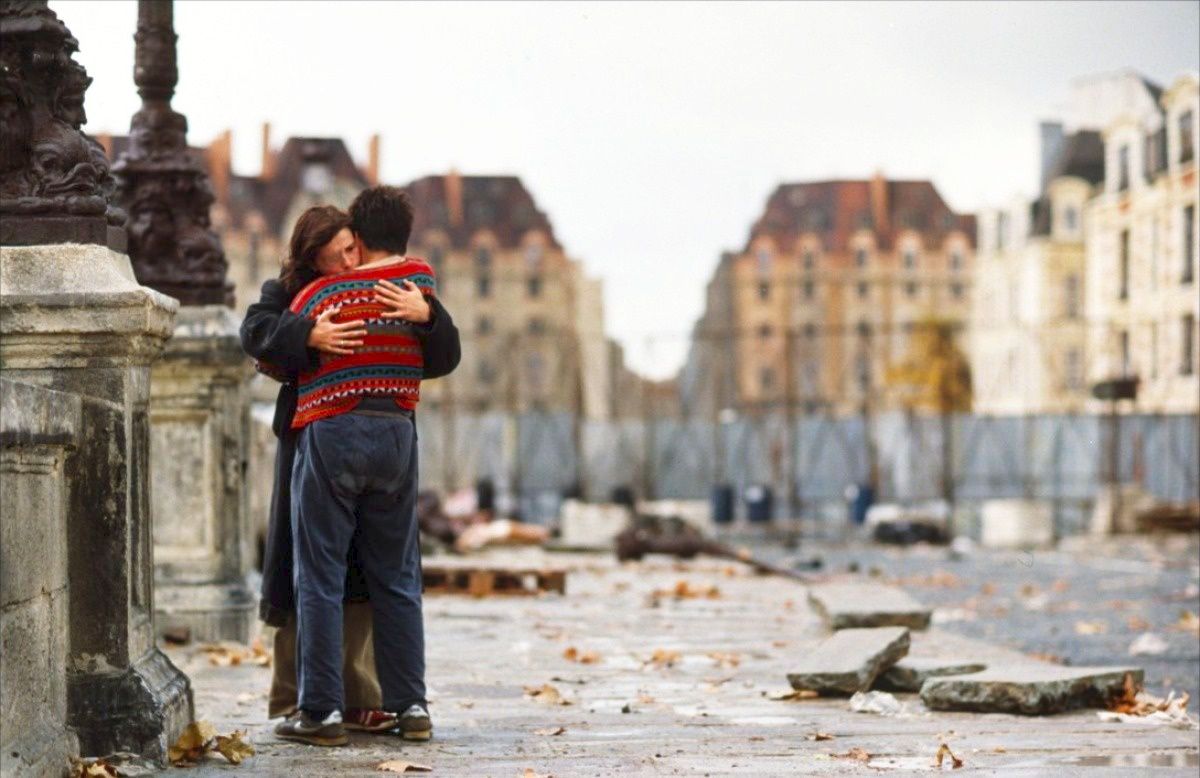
x=321 y=244
x=382 y=218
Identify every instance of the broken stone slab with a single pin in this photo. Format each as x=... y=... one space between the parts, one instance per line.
x=911 y=672
x=846 y=606
x=1030 y=689
x=850 y=660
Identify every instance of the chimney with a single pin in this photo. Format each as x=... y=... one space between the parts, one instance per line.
x=372 y=171
x=454 y=198
x=880 y=208
x=1052 y=147
x=268 y=157
x=220 y=164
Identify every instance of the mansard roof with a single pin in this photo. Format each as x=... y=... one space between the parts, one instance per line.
x=461 y=206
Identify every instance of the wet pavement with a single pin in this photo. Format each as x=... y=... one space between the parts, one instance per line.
x=683 y=686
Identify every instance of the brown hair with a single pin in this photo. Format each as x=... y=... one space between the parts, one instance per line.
x=316 y=226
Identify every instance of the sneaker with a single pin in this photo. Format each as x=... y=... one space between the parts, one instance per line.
x=415 y=723
x=366 y=720
x=304 y=729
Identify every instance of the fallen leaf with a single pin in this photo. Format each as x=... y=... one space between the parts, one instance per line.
x=999 y=750
x=546 y=694
x=400 y=766
x=857 y=754
x=531 y=773
x=818 y=736
x=94 y=769
x=988 y=589
x=685 y=591
x=725 y=659
x=1137 y=624
x=550 y=731
x=1061 y=585
x=943 y=752
x=794 y=695
x=1188 y=622
x=572 y=654
x=233 y=748
x=779 y=643
x=1090 y=628
x=193 y=743
x=663 y=657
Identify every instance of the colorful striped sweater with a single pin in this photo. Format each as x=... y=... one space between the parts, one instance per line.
x=389 y=362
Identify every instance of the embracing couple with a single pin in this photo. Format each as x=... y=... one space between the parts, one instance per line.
x=350 y=328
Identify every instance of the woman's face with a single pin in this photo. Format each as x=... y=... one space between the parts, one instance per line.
x=339 y=255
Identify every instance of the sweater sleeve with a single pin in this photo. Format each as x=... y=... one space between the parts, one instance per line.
x=275 y=336
x=439 y=342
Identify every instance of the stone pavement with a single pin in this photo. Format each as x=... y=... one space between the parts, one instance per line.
x=682 y=686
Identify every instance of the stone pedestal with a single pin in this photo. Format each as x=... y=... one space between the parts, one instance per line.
x=39 y=430
x=74 y=320
x=199 y=421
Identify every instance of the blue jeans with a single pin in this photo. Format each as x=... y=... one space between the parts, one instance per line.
x=358 y=470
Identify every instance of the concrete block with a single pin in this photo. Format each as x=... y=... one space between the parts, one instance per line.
x=911 y=673
x=1016 y=524
x=591 y=525
x=845 y=606
x=850 y=660
x=1029 y=689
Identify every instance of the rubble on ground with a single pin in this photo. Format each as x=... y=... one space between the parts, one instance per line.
x=1033 y=689
x=849 y=660
x=845 y=606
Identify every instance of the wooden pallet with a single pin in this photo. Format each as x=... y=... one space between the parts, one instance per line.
x=492 y=581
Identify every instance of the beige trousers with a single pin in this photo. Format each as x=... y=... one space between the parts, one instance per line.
x=358 y=664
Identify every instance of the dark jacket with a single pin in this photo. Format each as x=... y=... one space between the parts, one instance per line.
x=273 y=333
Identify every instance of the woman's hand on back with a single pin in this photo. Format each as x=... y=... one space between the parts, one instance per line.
x=405 y=302
x=332 y=338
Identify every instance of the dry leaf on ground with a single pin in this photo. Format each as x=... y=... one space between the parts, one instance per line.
x=819 y=736
x=400 y=766
x=233 y=748
x=794 y=695
x=686 y=591
x=724 y=658
x=857 y=754
x=531 y=773
x=94 y=769
x=1188 y=622
x=195 y=741
x=550 y=731
x=1090 y=628
x=943 y=752
x=546 y=694
x=663 y=657
x=572 y=654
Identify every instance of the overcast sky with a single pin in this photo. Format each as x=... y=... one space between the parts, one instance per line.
x=651 y=133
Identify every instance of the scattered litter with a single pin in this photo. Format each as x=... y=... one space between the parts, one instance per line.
x=943 y=752
x=400 y=766
x=1090 y=628
x=233 y=748
x=856 y=754
x=1138 y=706
x=97 y=768
x=686 y=591
x=819 y=736
x=200 y=738
x=550 y=731
x=794 y=695
x=1148 y=643
x=725 y=659
x=881 y=703
x=662 y=657
x=229 y=654
x=546 y=694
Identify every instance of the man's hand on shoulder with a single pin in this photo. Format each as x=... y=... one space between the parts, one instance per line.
x=406 y=302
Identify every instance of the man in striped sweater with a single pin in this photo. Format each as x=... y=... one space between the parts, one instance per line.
x=356 y=468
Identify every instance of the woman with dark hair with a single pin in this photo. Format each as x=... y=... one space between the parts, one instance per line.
x=322 y=243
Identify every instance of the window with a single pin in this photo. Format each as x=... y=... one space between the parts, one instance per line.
x=862 y=289
x=860 y=257
x=862 y=371
x=1123 y=344
x=764 y=331
x=1154 y=349
x=809 y=290
x=486 y=373
x=536 y=326
x=766 y=378
x=1071 y=297
x=956 y=291
x=1187 y=343
x=533 y=255
x=1073 y=379
x=1123 y=169
x=810 y=330
x=910 y=289
x=864 y=330
x=1001 y=231
x=810 y=260
x=1123 y=268
x=910 y=259
x=1186 y=149
x=483 y=286
x=956 y=260
x=764 y=262
x=483 y=257
x=484 y=326
x=1070 y=218
x=436 y=255
x=764 y=290
x=534 y=285
x=1187 y=274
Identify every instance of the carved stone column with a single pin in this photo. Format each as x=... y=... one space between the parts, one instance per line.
x=79 y=332
x=199 y=406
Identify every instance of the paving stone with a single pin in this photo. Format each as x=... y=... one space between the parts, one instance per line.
x=911 y=672
x=845 y=606
x=1029 y=689
x=850 y=660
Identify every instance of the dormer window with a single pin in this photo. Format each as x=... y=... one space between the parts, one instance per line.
x=1070 y=218
x=860 y=257
x=956 y=260
x=483 y=257
x=810 y=259
x=910 y=259
x=1123 y=168
x=764 y=261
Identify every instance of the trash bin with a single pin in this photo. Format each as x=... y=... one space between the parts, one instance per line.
x=862 y=496
x=722 y=504
x=760 y=503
